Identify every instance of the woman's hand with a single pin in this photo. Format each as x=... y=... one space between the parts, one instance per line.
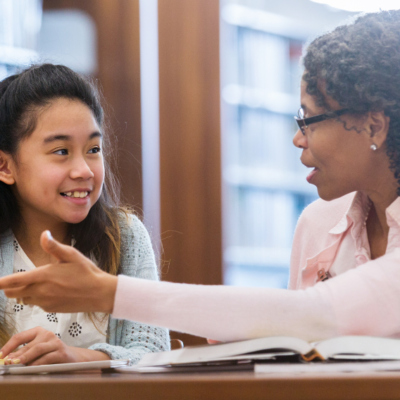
x=73 y=284
x=44 y=347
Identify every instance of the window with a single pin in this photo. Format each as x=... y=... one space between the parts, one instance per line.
x=265 y=189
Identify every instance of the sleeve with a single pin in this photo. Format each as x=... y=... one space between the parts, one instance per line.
x=363 y=301
x=127 y=339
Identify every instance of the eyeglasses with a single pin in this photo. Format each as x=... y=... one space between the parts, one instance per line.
x=304 y=122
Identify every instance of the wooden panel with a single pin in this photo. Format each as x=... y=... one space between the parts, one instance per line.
x=118 y=74
x=190 y=140
x=190 y=143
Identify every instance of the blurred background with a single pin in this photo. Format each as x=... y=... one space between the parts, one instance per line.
x=200 y=95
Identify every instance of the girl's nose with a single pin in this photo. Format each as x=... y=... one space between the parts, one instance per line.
x=300 y=140
x=81 y=170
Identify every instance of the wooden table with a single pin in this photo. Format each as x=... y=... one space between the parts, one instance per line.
x=205 y=386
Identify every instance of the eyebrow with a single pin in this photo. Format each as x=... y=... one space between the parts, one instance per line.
x=55 y=138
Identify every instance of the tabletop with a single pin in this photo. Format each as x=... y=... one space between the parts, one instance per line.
x=204 y=386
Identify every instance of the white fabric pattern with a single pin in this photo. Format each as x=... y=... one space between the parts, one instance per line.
x=73 y=329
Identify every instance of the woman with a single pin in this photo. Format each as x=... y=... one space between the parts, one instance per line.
x=346 y=256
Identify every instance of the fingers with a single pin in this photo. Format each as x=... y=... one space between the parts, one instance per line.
x=21 y=279
x=36 y=351
x=19 y=339
x=62 y=252
x=41 y=347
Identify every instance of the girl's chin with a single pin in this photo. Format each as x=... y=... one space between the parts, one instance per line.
x=74 y=219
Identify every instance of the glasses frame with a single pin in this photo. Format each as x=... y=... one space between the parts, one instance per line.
x=304 y=122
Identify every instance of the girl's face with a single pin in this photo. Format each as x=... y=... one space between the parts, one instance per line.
x=339 y=151
x=59 y=170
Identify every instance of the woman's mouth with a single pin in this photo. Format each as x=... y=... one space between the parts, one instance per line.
x=311 y=175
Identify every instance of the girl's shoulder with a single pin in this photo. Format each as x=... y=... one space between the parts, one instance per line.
x=132 y=229
x=128 y=221
x=136 y=247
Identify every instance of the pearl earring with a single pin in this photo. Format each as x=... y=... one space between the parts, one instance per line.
x=373 y=147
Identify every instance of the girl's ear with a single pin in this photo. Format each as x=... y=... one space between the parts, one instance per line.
x=6 y=174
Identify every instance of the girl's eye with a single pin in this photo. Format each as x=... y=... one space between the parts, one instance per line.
x=94 y=150
x=62 y=152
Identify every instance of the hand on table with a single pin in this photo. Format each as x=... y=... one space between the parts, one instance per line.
x=73 y=284
x=44 y=347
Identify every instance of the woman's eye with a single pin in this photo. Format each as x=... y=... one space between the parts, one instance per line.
x=95 y=150
x=62 y=152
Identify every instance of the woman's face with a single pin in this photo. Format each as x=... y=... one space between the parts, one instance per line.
x=59 y=171
x=338 y=151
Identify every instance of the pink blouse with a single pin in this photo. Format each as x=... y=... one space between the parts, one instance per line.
x=360 y=296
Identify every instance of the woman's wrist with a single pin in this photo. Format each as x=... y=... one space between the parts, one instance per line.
x=108 y=286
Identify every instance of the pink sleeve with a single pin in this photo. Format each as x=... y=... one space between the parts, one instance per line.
x=364 y=301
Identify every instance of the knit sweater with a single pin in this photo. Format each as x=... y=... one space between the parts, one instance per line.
x=126 y=339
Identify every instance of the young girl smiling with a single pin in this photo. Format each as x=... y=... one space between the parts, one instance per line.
x=53 y=176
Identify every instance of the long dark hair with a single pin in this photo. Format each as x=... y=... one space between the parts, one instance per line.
x=360 y=66
x=21 y=98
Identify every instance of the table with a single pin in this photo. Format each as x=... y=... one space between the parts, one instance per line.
x=204 y=386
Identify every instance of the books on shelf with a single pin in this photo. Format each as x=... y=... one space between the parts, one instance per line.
x=279 y=349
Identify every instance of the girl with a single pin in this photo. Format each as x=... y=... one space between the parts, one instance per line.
x=346 y=251
x=53 y=176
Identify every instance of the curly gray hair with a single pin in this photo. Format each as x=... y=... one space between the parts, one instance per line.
x=360 y=66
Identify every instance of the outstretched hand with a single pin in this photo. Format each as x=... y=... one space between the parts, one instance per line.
x=73 y=284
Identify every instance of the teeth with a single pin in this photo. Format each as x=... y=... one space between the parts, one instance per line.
x=77 y=194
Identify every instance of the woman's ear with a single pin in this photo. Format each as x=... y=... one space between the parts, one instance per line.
x=6 y=164
x=378 y=126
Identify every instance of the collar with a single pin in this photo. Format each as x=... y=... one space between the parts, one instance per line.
x=393 y=213
x=355 y=215
x=358 y=211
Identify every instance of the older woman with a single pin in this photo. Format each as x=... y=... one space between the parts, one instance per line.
x=345 y=265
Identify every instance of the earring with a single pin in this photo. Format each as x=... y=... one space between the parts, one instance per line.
x=373 y=147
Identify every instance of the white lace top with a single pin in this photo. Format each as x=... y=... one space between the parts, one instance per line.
x=73 y=329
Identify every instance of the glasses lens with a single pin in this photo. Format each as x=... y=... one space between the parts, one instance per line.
x=301 y=113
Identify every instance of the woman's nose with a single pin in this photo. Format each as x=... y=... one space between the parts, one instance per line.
x=81 y=170
x=300 y=140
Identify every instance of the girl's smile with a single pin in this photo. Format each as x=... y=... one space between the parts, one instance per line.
x=77 y=196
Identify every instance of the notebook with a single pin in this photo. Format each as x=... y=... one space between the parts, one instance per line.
x=66 y=367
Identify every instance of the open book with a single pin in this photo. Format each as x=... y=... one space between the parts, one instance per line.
x=344 y=348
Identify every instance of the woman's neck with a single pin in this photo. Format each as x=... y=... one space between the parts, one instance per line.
x=377 y=226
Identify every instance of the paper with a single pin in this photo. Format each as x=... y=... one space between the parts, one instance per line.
x=66 y=367
x=328 y=367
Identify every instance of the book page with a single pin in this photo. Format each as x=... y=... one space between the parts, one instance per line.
x=217 y=351
x=363 y=345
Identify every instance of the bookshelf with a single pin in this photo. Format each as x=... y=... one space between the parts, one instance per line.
x=264 y=186
x=20 y=22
